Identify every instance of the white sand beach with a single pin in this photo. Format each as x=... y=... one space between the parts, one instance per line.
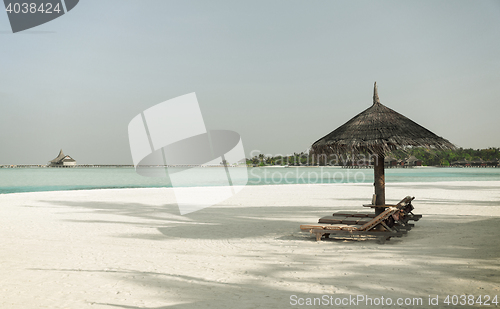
x=130 y=248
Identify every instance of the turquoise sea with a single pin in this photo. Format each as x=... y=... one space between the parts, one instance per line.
x=55 y=179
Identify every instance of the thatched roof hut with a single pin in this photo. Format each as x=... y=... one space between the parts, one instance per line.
x=378 y=130
x=494 y=162
x=461 y=163
x=413 y=161
x=390 y=161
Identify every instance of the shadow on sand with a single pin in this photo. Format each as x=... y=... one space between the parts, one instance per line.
x=412 y=266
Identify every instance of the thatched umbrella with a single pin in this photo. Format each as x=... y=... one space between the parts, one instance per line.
x=378 y=130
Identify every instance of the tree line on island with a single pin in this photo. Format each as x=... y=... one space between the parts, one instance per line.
x=428 y=157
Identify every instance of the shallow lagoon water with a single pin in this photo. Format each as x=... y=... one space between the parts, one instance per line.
x=55 y=179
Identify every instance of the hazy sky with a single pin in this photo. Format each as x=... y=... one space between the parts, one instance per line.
x=281 y=73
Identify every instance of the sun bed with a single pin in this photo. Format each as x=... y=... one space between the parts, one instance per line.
x=381 y=227
x=392 y=222
x=404 y=205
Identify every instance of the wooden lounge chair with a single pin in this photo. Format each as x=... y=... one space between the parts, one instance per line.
x=392 y=222
x=382 y=227
x=407 y=200
x=404 y=205
x=405 y=213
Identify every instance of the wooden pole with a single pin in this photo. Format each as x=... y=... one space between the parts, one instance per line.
x=379 y=183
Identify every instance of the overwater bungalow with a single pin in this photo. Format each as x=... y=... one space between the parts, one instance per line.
x=390 y=161
x=62 y=160
x=461 y=163
x=413 y=161
x=493 y=163
x=476 y=163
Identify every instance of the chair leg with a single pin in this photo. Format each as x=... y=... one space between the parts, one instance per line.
x=318 y=236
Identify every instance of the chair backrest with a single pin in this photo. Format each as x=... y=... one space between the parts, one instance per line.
x=375 y=221
x=407 y=200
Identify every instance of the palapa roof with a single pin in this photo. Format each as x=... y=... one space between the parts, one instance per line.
x=378 y=129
